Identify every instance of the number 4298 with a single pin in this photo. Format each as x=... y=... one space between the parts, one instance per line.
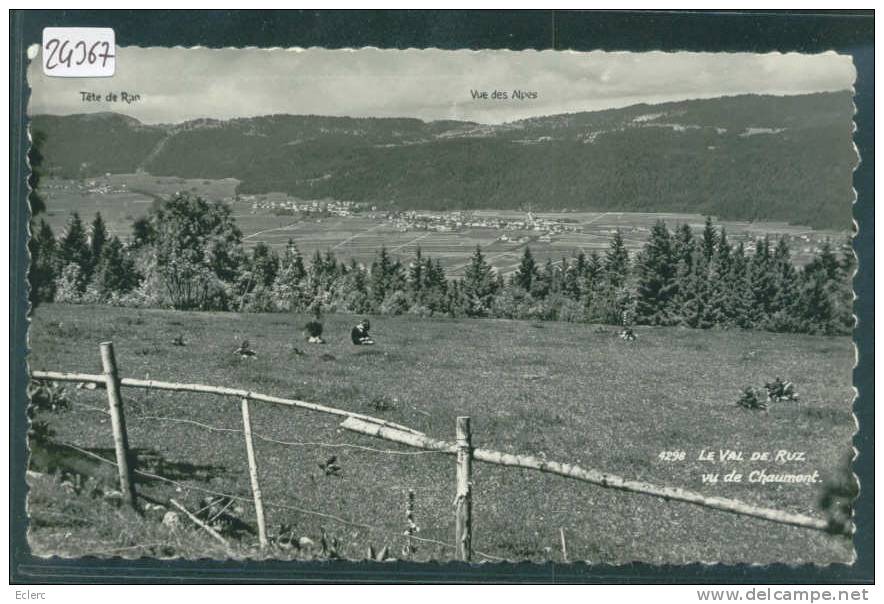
x=676 y=455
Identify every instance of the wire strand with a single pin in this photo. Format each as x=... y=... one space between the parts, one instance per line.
x=345 y=445
x=269 y=440
x=222 y=494
x=275 y=440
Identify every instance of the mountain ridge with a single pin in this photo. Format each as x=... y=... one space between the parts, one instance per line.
x=747 y=157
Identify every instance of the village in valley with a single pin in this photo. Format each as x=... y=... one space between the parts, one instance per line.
x=357 y=230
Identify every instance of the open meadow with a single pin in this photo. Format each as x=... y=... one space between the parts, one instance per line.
x=574 y=393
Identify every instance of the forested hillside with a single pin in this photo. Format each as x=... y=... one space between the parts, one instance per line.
x=743 y=158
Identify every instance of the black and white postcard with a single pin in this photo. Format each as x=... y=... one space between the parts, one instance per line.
x=434 y=305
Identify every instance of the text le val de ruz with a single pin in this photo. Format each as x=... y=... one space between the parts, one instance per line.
x=779 y=470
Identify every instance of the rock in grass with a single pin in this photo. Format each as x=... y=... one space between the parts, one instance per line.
x=305 y=542
x=171 y=519
x=532 y=376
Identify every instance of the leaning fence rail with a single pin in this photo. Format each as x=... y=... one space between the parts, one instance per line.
x=462 y=448
x=602 y=479
x=86 y=378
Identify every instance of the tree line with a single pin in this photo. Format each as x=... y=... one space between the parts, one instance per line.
x=188 y=254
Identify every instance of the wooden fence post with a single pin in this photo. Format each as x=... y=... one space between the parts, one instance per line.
x=463 y=503
x=253 y=474
x=118 y=421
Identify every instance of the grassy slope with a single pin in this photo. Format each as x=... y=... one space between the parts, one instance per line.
x=572 y=392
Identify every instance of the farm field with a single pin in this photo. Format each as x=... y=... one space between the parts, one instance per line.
x=570 y=392
x=123 y=197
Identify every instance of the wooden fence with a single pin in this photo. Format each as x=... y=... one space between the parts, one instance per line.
x=461 y=447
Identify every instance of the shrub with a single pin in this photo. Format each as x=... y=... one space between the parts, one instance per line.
x=512 y=303
x=839 y=493
x=71 y=284
x=47 y=396
x=381 y=403
x=572 y=311
x=395 y=303
x=260 y=300
x=420 y=310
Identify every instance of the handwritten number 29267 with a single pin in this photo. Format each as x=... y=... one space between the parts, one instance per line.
x=67 y=54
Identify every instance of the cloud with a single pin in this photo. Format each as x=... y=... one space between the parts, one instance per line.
x=177 y=84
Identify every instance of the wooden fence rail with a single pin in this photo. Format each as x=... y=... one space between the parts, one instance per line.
x=58 y=376
x=602 y=479
x=462 y=448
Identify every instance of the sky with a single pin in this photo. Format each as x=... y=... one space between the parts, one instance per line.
x=179 y=84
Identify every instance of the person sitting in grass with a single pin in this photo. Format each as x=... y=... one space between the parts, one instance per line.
x=359 y=334
x=779 y=390
x=244 y=350
x=314 y=328
x=627 y=334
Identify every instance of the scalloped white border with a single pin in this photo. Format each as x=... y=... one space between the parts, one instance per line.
x=33 y=51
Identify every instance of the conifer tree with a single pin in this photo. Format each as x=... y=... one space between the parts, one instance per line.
x=572 y=277
x=143 y=233
x=844 y=296
x=719 y=276
x=709 y=239
x=115 y=272
x=331 y=266
x=435 y=286
x=264 y=265
x=287 y=289
x=417 y=278
x=581 y=264
x=74 y=245
x=606 y=282
x=616 y=264
x=455 y=302
x=526 y=274
x=723 y=249
x=293 y=262
x=684 y=246
x=545 y=281
x=694 y=294
x=44 y=266
x=381 y=274
x=356 y=296
x=848 y=258
x=98 y=236
x=786 y=287
x=764 y=282
x=479 y=286
x=821 y=286
x=739 y=295
x=827 y=261
x=690 y=286
x=815 y=310
x=656 y=274
x=593 y=273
